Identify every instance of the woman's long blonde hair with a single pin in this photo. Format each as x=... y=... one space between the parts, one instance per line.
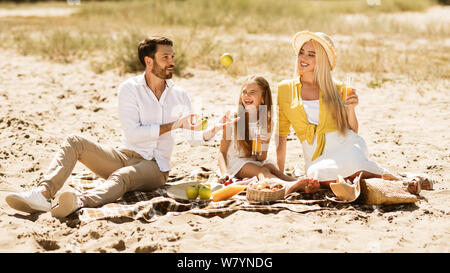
x=241 y=135
x=331 y=97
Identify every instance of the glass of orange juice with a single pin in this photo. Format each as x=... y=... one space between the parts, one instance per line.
x=256 y=142
x=347 y=89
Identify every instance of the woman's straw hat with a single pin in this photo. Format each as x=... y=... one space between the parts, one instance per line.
x=346 y=192
x=327 y=43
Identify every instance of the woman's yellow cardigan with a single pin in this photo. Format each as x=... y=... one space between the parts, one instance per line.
x=292 y=113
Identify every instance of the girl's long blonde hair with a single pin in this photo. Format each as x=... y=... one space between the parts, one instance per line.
x=331 y=97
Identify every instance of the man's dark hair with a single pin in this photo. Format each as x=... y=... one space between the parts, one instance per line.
x=147 y=48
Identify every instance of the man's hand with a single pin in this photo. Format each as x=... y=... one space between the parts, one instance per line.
x=187 y=122
x=183 y=123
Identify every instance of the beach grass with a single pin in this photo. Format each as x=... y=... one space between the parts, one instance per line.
x=256 y=32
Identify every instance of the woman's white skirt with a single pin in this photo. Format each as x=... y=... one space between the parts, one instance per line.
x=342 y=155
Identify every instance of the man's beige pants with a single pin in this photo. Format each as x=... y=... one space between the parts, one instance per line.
x=124 y=170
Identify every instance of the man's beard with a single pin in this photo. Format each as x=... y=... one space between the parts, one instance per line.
x=160 y=72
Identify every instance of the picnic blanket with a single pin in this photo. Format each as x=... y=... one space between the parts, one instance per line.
x=149 y=206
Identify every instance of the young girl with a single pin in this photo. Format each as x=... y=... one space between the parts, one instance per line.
x=235 y=155
x=325 y=124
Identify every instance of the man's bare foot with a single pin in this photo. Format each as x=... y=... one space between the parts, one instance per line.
x=308 y=185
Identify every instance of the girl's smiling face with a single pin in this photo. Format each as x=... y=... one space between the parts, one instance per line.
x=306 y=60
x=251 y=95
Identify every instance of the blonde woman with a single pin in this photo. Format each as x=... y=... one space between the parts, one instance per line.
x=325 y=124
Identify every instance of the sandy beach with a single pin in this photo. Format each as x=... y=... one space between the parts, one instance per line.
x=405 y=125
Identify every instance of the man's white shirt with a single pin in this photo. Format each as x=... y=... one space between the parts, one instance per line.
x=141 y=114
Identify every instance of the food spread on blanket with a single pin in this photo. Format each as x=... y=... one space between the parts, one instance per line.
x=227 y=192
x=265 y=191
x=244 y=181
x=265 y=185
x=192 y=192
x=228 y=182
x=202 y=190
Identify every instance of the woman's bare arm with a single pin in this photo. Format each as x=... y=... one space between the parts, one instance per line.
x=281 y=151
x=353 y=120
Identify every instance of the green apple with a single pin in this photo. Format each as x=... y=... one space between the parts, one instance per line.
x=204 y=123
x=205 y=192
x=226 y=59
x=192 y=192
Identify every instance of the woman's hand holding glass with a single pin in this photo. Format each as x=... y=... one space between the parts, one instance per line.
x=351 y=100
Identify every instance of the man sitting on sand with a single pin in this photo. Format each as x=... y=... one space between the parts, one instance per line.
x=150 y=107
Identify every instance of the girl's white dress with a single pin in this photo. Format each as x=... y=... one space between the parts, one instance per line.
x=342 y=155
x=235 y=162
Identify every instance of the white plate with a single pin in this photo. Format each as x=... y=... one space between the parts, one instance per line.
x=178 y=190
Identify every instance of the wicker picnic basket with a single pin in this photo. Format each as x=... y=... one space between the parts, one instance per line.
x=265 y=195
